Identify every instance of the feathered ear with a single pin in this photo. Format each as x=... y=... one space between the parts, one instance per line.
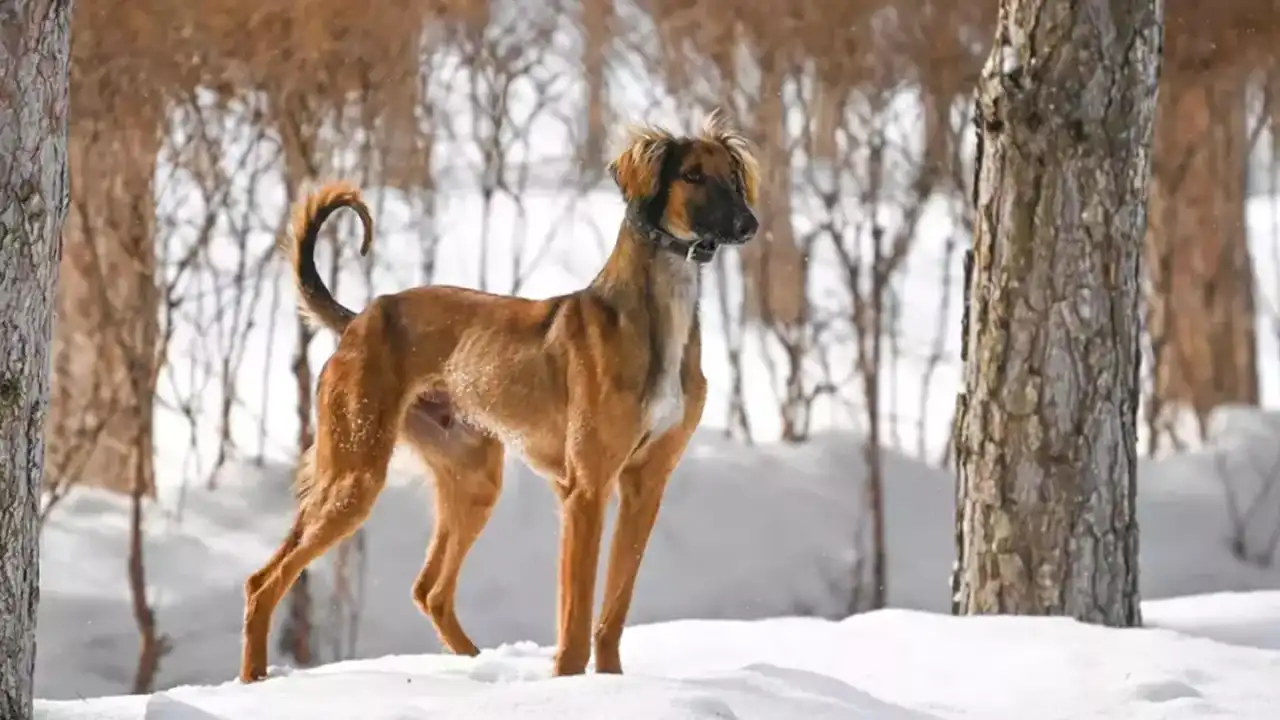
x=715 y=128
x=637 y=167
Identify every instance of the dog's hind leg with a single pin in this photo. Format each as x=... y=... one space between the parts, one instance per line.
x=318 y=527
x=467 y=485
x=254 y=583
x=304 y=477
x=335 y=499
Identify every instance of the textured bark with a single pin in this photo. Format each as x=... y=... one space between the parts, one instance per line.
x=1202 y=324
x=1047 y=442
x=34 y=53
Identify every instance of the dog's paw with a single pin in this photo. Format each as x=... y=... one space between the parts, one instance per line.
x=272 y=672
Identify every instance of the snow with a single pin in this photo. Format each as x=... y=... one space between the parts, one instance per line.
x=886 y=665
x=1247 y=619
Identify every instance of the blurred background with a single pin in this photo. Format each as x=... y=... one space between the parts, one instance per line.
x=821 y=482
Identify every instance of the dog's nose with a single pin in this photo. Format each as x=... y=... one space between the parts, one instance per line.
x=745 y=226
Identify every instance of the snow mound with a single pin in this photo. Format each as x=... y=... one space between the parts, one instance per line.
x=886 y=665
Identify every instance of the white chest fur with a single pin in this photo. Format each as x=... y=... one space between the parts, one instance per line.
x=676 y=292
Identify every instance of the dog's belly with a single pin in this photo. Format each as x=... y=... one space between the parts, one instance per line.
x=537 y=440
x=544 y=457
x=434 y=418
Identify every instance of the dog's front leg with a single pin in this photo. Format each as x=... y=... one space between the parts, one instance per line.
x=640 y=488
x=582 y=505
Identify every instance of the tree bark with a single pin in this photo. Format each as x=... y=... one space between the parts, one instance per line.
x=1047 y=442
x=34 y=55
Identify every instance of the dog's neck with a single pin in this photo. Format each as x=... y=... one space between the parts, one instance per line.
x=640 y=274
x=639 y=270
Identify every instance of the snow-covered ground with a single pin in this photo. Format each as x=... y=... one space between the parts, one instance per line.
x=886 y=665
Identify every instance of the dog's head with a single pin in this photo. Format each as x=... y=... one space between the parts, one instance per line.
x=691 y=194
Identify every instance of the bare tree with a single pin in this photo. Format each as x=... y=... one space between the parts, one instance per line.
x=1201 y=310
x=34 y=55
x=1250 y=493
x=596 y=19
x=108 y=265
x=1047 y=443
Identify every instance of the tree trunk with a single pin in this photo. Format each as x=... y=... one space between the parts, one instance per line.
x=1047 y=442
x=34 y=54
x=295 y=635
x=597 y=31
x=774 y=268
x=105 y=343
x=298 y=127
x=1202 y=322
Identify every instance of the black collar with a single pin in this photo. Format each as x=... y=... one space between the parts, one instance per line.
x=698 y=251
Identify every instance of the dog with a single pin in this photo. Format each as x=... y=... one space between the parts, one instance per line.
x=597 y=389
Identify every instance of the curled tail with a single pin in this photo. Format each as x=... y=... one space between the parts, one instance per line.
x=315 y=301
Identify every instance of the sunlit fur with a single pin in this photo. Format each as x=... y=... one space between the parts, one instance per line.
x=597 y=389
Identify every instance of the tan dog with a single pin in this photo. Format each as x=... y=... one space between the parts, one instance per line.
x=599 y=387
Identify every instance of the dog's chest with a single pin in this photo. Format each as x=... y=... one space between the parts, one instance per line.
x=676 y=297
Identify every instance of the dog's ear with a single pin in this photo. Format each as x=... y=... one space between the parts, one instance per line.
x=637 y=168
x=716 y=128
x=750 y=169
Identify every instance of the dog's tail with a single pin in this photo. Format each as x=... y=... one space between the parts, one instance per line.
x=315 y=302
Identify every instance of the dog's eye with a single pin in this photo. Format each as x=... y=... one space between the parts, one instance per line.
x=694 y=177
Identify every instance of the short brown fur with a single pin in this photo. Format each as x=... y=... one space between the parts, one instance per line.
x=598 y=388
